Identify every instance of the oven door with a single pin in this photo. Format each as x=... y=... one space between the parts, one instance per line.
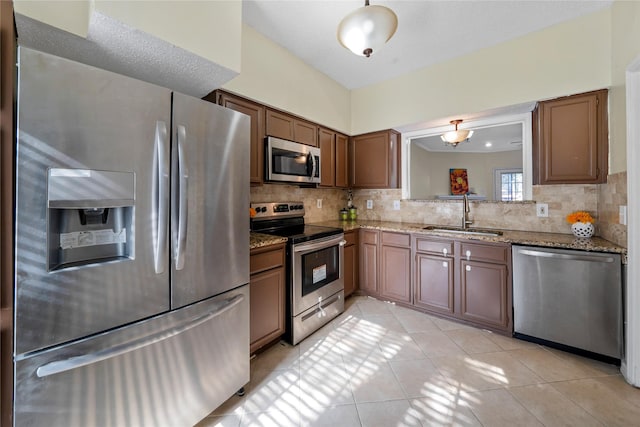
x=289 y=161
x=316 y=272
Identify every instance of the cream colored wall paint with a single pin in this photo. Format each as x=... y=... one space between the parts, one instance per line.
x=71 y=16
x=271 y=75
x=211 y=29
x=625 y=47
x=564 y=59
x=480 y=171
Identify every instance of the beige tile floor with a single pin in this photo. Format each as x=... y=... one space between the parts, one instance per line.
x=378 y=364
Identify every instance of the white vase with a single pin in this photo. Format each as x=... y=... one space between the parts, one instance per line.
x=582 y=229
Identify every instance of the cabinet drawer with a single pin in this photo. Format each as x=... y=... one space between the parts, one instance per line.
x=489 y=253
x=369 y=237
x=351 y=238
x=441 y=247
x=396 y=239
x=266 y=258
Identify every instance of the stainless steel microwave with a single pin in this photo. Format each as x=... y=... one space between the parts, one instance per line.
x=288 y=161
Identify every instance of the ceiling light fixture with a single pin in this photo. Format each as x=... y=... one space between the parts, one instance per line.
x=367 y=29
x=456 y=136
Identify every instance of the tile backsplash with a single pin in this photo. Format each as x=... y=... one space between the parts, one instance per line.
x=602 y=201
x=611 y=196
x=332 y=199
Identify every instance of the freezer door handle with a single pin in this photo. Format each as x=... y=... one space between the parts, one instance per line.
x=71 y=363
x=183 y=177
x=160 y=195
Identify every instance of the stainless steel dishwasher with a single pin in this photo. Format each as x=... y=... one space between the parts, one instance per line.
x=569 y=299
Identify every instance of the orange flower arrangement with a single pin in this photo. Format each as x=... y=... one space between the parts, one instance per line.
x=579 y=216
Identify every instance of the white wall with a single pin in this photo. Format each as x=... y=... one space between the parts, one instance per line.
x=625 y=47
x=210 y=29
x=568 y=58
x=273 y=76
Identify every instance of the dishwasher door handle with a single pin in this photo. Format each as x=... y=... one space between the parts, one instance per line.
x=543 y=254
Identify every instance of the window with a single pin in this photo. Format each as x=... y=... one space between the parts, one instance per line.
x=508 y=185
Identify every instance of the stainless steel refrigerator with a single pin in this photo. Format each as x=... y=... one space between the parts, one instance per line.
x=132 y=263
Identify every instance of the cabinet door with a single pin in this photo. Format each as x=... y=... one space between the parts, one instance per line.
x=572 y=140
x=374 y=160
x=341 y=161
x=256 y=112
x=350 y=269
x=305 y=132
x=279 y=125
x=266 y=307
x=326 y=139
x=434 y=283
x=395 y=269
x=369 y=261
x=484 y=293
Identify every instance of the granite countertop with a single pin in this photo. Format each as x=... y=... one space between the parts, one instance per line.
x=532 y=238
x=259 y=240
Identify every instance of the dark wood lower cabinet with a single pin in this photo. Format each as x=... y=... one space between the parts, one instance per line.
x=461 y=279
x=350 y=263
x=434 y=283
x=268 y=296
x=369 y=261
x=395 y=267
x=484 y=293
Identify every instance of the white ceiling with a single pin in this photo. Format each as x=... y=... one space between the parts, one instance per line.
x=502 y=138
x=429 y=31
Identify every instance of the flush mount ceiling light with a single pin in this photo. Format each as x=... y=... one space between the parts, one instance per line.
x=367 y=29
x=456 y=136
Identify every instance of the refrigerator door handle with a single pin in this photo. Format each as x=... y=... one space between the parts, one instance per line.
x=183 y=176
x=71 y=363
x=160 y=189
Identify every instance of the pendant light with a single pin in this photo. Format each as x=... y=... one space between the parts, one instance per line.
x=367 y=29
x=456 y=136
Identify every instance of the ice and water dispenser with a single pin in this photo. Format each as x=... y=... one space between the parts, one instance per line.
x=90 y=217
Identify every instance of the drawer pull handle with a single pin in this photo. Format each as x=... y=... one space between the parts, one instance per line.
x=468 y=268
x=468 y=254
x=444 y=251
x=445 y=264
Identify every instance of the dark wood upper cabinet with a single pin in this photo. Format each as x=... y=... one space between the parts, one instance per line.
x=571 y=140
x=256 y=112
x=333 y=151
x=286 y=126
x=342 y=160
x=327 y=144
x=375 y=159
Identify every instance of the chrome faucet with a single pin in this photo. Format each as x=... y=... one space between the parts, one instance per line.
x=466 y=209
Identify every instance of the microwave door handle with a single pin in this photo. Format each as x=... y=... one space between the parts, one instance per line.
x=160 y=197
x=313 y=165
x=183 y=179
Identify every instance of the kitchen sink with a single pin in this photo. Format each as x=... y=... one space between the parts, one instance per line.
x=460 y=230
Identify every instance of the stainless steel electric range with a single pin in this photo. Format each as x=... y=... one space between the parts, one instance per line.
x=315 y=257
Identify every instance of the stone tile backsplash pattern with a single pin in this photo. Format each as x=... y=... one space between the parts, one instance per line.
x=332 y=199
x=510 y=216
x=602 y=201
x=611 y=196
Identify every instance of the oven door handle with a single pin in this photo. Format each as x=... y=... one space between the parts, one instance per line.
x=319 y=244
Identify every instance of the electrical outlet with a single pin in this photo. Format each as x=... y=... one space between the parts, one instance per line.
x=369 y=204
x=396 y=205
x=542 y=209
x=623 y=215
x=319 y=203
